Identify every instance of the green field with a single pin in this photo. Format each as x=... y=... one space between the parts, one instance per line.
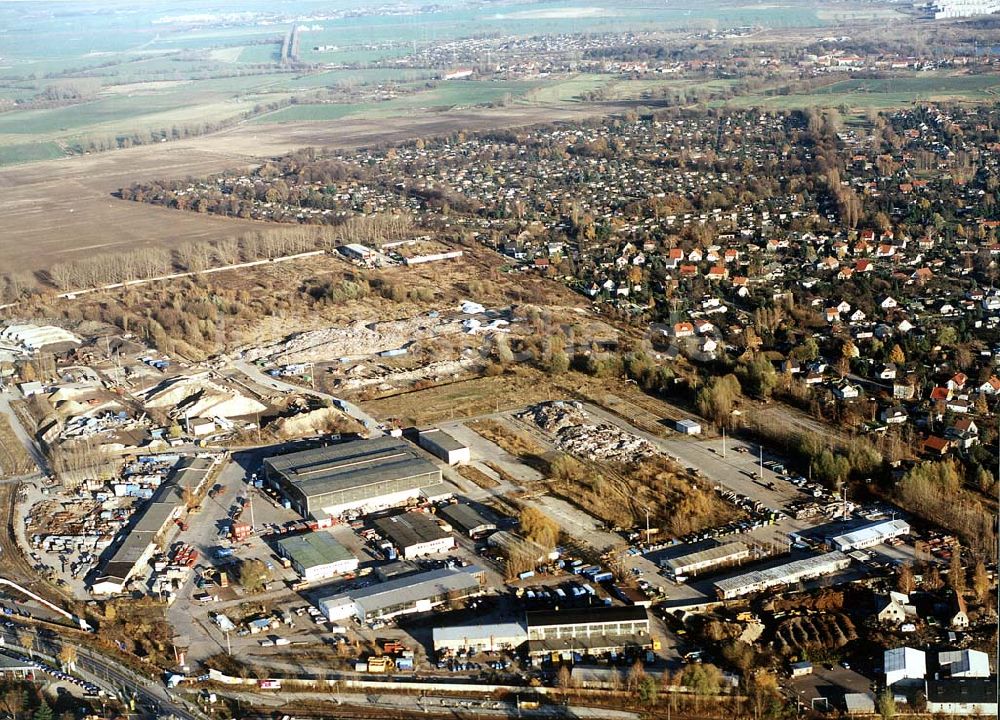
x=884 y=93
x=29 y=152
x=446 y=95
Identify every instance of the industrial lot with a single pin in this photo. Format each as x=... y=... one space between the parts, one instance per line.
x=433 y=552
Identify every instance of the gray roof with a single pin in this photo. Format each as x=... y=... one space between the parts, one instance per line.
x=500 y=631
x=465 y=517
x=313 y=549
x=408 y=589
x=859 y=703
x=150 y=519
x=409 y=529
x=353 y=465
x=718 y=553
x=442 y=439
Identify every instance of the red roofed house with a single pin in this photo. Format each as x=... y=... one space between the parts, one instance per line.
x=683 y=329
x=935 y=445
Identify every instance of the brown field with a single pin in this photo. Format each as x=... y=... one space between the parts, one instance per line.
x=55 y=210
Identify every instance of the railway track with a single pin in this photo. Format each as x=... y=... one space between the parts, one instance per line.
x=12 y=560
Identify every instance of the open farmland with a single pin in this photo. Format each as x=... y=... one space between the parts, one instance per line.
x=81 y=216
x=884 y=93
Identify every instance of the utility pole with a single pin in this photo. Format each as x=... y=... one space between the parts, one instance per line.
x=761 y=462
x=253 y=525
x=723 y=441
x=647 y=526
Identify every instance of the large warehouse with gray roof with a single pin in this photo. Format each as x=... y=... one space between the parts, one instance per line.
x=359 y=476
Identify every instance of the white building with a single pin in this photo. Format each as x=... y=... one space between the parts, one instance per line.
x=869 y=535
x=904 y=666
x=787 y=574
x=442 y=445
x=964 y=663
x=481 y=638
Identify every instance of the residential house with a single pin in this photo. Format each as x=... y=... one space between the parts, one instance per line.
x=936 y=446
x=894 y=415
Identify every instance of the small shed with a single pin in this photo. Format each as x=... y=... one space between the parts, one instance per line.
x=688 y=427
x=800 y=669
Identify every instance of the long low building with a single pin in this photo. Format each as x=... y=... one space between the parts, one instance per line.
x=480 y=638
x=588 y=631
x=419 y=592
x=787 y=574
x=466 y=519
x=358 y=476
x=415 y=534
x=149 y=524
x=870 y=535
x=317 y=556
x=708 y=558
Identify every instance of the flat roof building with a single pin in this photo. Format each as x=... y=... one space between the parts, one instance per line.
x=149 y=522
x=963 y=696
x=360 y=476
x=590 y=631
x=415 y=534
x=466 y=519
x=480 y=638
x=707 y=558
x=869 y=535
x=420 y=592
x=317 y=555
x=787 y=574
x=442 y=445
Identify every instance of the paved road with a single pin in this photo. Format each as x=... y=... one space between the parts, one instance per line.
x=33 y=448
x=151 y=697
x=254 y=373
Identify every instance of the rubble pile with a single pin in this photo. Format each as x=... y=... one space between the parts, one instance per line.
x=360 y=339
x=576 y=434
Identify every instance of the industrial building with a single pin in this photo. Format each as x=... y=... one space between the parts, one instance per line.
x=30 y=338
x=444 y=446
x=415 y=534
x=148 y=525
x=466 y=519
x=869 y=535
x=480 y=638
x=317 y=556
x=410 y=594
x=706 y=558
x=587 y=631
x=358 y=476
x=787 y=574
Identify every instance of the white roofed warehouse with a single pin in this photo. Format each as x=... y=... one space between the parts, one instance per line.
x=360 y=476
x=870 y=535
x=787 y=574
x=480 y=638
x=408 y=594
